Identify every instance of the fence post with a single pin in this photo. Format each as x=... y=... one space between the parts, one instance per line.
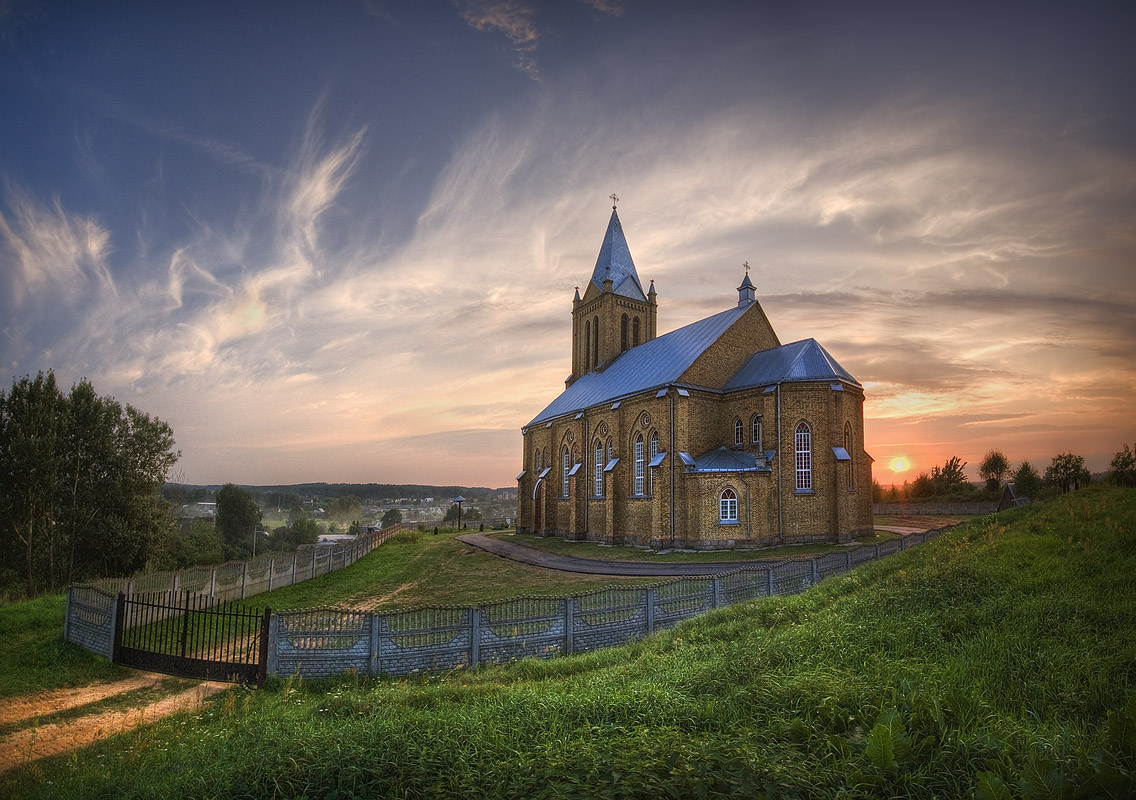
x=569 y=628
x=813 y=564
x=847 y=560
x=116 y=624
x=376 y=670
x=650 y=610
x=244 y=579
x=293 y=568
x=271 y=569
x=475 y=637
x=716 y=586
x=877 y=558
x=212 y=584
x=769 y=581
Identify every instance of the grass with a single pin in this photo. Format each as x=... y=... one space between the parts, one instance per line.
x=997 y=661
x=599 y=552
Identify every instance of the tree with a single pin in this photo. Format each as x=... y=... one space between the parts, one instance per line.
x=1026 y=480
x=950 y=477
x=344 y=508
x=79 y=481
x=1067 y=472
x=993 y=469
x=1123 y=467
x=237 y=519
x=392 y=516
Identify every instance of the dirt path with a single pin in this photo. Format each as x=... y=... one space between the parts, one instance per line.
x=54 y=738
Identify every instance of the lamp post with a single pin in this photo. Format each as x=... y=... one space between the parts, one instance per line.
x=459 y=500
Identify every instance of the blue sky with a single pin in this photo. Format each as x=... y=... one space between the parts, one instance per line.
x=338 y=241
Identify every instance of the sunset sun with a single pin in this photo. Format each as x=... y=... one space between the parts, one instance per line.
x=899 y=464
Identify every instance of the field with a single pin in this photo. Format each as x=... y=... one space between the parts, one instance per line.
x=997 y=661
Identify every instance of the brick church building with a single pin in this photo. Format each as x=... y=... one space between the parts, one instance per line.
x=714 y=435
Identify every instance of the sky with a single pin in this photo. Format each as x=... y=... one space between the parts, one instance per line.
x=338 y=241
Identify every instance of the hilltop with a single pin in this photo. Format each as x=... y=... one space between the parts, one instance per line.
x=995 y=661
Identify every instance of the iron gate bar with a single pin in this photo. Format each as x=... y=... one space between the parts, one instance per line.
x=203 y=642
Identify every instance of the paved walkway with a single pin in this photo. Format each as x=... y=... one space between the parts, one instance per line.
x=541 y=558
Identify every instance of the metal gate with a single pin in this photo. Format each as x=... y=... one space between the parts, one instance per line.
x=181 y=635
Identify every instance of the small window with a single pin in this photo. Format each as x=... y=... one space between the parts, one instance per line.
x=623 y=333
x=803 y=445
x=728 y=506
x=595 y=342
x=755 y=425
x=566 y=467
x=653 y=450
x=597 y=489
x=738 y=440
x=587 y=344
x=635 y=332
x=851 y=459
x=639 y=463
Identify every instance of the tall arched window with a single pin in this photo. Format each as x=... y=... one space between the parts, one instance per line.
x=595 y=342
x=652 y=451
x=536 y=460
x=635 y=332
x=639 y=471
x=803 y=447
x=565 y=467
x=851 y=458
x=739 y=436
x=728 y=506
x=623 y=333
x=597 y=478
x=587 y=344
x=755 y=425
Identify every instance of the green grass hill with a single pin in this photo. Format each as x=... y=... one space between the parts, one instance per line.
x=995 y=662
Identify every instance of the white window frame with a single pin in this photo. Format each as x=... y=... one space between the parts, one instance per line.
x=597 y=480
x=639 y=471
x=566 y=467
x=803 y=456
x=728 y=506
x=755 y=429
x=739 y=438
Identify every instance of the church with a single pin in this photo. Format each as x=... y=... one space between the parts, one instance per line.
x=714 y=435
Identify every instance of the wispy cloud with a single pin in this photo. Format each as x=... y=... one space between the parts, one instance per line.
x=51 y=250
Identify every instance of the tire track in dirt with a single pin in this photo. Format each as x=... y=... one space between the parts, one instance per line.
x=51 y=739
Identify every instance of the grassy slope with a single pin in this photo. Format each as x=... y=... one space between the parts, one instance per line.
x=997 y=659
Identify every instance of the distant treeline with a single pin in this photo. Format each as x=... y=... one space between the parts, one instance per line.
x=366 y=491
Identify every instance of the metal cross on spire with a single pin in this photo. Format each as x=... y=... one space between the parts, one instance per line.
x=614 y=200
x=746 y=265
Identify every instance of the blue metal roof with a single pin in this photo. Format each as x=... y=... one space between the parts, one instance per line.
x=805 y=360
x=615 y=262
x=726 y=460
x=651 y=365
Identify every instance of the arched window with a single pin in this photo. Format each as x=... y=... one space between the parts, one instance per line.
x=738 y=432
x=565 y=467
x=599 y=464
x=755 y=425
x=652 y=451
x=635 y=332
x=623 y=333
x=587 y=344
x=803 y=447
x=728 y=506
x=536 y=460
x=595 y=342
x=639 y=471
x=852 y=459
x=610 y=450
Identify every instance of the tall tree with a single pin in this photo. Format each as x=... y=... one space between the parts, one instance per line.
x=1123 y=467
x=238 y=517
x=993 y=469
x=1026 y=480
x=1067 y=472
x=949 y=477
x=79 y=476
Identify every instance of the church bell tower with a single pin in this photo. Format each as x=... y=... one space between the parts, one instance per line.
x=614 y=314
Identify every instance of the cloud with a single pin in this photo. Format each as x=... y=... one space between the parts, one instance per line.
x=512 y=18
x=50 y=250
